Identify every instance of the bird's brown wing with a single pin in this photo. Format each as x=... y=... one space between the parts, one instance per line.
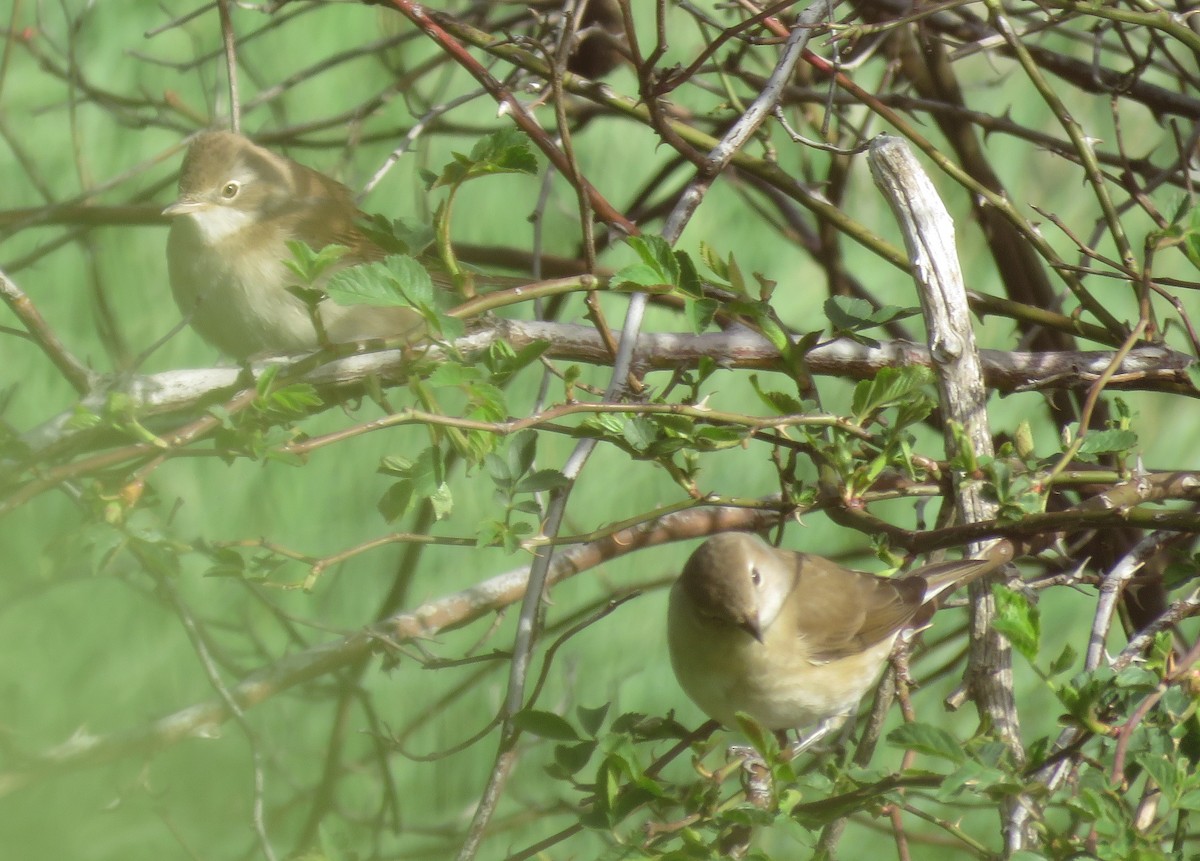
x=329 y=217
x=844 y=612
x=948 y=576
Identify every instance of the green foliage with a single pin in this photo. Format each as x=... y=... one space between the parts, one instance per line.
x=902 y=388
x=420 y=478
x=309 y=264
x=517 y=484
x=850 y=317
x=928 y=740
x=1183 y=232
x=265 y=428
x=1016 y=488
x=398 y=235
x=504 y=151
x=1018 y=620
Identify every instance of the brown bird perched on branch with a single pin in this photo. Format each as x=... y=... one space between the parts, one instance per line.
x=793 y=639
x=238 y=206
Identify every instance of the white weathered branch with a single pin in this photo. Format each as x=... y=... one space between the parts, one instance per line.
x=1150 y=367
x=928 y=233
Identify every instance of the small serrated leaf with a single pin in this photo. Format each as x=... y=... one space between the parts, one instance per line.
x=1018 y=620
x=592 y=719
x=689 y=278
x=781 y=402
x=847 y=313
x=1064 y=661
x=572 y=757
x=638 y=432
x=1106 y=441
x=398 y=281
x=635 y=276
x=395 y=501
x=522 y=450
x=542 y=480
x=545 y=724
x=700 y=314
x=927 y=739
x=713 y=260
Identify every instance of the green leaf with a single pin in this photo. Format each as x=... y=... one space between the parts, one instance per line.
x=395 y=501
x=454 y=375
x=397 y=281
x=759 y=736
x=639 y=433
x=607 y=789
x=521 y=451
x=700 y=313
x=395 y=465
x=542 y=480
x=717 y=438
x=82 y=418
x=426 y=479
x=396 y=236
x=1064 y=661
x=889 y=387
x=592 y=719
x=927 y=739
x=780 y=402
x=1105 y=441
x=503 y=362
x=498 y=469
x=774 y=333
x=308 y=264
x=658 y=265
x=504 y=151
x=847 y=312
x=1018 y=620
x=292 y=400
x=570 y=758
x=1191 y=238
x=971 y=775
x=657 y=252
x=713 y=260
x=507 y=150
x=545 y=724
x=1137 y=678
x=689 y=279
x=642 y=727
x=1164 y=771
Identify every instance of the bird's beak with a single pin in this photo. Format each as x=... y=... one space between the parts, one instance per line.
x=750 y=626
x=183 y=206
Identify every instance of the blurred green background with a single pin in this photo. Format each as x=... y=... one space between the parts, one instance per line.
x=89 y=645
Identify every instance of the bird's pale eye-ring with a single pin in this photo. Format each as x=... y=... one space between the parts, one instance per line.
x=231 y=189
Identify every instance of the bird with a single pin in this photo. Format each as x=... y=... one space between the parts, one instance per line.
x=793 y=639
x=238 y=206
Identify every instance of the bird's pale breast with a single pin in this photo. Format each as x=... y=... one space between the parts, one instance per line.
x=238 y=299
x=724 y=670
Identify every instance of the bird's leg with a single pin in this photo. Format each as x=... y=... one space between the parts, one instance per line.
x=821 y=730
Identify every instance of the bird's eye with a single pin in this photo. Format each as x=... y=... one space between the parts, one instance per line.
x=755 y=577
x=231 y=189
